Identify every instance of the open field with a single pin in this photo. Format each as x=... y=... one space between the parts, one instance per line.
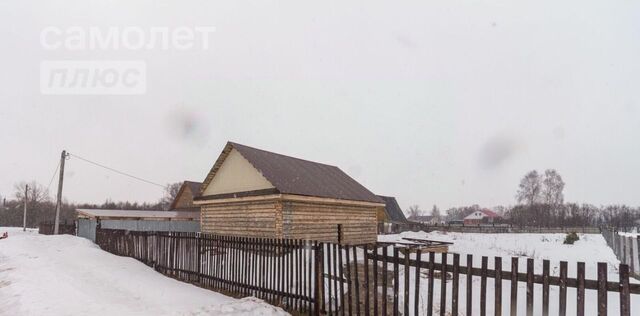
x=591 y=249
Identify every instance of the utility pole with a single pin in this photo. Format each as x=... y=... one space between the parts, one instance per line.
x=63 y=157
x=24 y=215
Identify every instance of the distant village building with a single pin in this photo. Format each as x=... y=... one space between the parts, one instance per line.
x=484 y=216
x=425 y=219
x=253 y=192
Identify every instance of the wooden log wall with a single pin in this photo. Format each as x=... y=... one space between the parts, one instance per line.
x=248 y=219
x=277 y=218
x=319 y=221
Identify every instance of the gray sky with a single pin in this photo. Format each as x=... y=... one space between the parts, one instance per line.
x=438 y=102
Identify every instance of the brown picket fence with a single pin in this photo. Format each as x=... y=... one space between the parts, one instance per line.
x=280 y=271
x=309 y=277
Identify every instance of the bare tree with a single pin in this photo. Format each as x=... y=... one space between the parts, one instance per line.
x=414 y=211
x=499 y=209
x=552 y=188
x=170 y=193
x=36 y=194
x=530 y=188
x=435 y=212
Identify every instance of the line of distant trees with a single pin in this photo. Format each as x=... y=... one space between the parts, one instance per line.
x=41 y=206
x=540 y=202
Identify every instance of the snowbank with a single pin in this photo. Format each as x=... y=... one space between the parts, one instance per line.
x=67 y=275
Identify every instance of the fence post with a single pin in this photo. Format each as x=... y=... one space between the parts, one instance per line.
x=636 y=256
x=632 y=255
x=580 y=289
x=340 y=234
x=623 y=246
x=625 y=296
x=319 y=284
x=602 y=288
x=199 y=246
x=620 y=247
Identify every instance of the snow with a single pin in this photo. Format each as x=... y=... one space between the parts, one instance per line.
x=590 y=249
x=68 y=275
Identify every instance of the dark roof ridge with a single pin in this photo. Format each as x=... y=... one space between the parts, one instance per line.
x=290 y=175
x=287 y=156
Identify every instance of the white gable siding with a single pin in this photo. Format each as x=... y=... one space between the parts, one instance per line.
x=476 y=215
x=236 y=174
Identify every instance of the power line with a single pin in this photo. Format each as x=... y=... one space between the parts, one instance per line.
x=118 y=171
x=53 y=176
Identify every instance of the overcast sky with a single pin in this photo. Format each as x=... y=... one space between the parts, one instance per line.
x=434 y=102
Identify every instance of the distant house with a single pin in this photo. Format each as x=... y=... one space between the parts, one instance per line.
x=425 y=219
x=257 y=193
x=184 y=199
x=484 y=216
x=392 y=211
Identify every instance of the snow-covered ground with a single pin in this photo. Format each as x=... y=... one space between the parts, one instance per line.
x=590 y=249
x=67 y=275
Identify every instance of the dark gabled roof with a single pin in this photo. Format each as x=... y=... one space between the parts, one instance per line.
x=291 y=175
x=393 y=210
x=192 y=185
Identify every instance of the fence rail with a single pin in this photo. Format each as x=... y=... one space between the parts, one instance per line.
x=307 y=277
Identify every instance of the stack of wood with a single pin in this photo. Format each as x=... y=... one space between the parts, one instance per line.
x=425 y=245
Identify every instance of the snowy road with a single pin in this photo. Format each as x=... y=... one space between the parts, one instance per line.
x=67 y=275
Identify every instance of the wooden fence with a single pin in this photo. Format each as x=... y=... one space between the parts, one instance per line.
x=47 y=228
x=396 y=228
x=625 y=248
x=280 y=271
x=306 y=277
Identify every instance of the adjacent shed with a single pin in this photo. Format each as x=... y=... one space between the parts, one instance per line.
x=184 y=199
x=181 y=221
x=253 y=192
x=391 y=216
x=392 y=211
